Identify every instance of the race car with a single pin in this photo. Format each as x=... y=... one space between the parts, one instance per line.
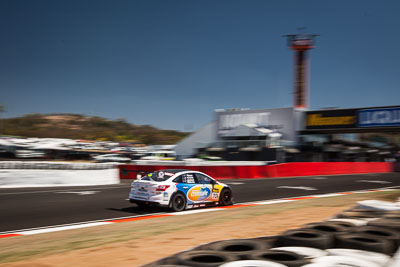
x=179 y=190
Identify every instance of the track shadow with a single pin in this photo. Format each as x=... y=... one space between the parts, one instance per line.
x=137 y=210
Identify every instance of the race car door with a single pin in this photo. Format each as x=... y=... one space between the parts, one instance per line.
x=208 y=185
x=187 y=183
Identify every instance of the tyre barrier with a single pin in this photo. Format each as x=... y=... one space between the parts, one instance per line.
x=240 y=247
x=355 y=222
x=386 y=223
x=307 y=238
x=392 y=212
x=378 y=205
x=363 y=241
x=346 y=225
x=382 y=233
x=329 y=227
x=307 y=252
x=392 y=216
x=360 y=240
x=286 y=258
x=378 y=258
x=205 y=258
x=335 y=261
x=252 y=263
x=358 y=214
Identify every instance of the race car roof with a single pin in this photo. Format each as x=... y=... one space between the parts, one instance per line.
x=174 y=170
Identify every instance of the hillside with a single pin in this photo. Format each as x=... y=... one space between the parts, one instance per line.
x=77 y=126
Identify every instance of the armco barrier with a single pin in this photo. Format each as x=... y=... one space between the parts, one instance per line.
x=268 y=171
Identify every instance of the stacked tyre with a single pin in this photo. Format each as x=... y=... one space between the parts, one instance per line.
x=356 y=237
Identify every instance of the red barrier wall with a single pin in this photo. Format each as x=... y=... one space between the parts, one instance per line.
x=277 y=170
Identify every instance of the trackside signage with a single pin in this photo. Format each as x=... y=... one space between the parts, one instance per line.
x=280 y=120
x=331 y=119
x=381 y=117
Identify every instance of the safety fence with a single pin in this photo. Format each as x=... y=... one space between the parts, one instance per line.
x=128 y=171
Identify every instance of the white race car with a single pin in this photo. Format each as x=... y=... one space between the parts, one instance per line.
x=179 y=190
x=111 y=158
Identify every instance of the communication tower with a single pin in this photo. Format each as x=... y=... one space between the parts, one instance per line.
x=301 y=43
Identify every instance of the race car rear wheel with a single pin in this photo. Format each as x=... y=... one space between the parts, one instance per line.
x=226 y=197
x=178 y=202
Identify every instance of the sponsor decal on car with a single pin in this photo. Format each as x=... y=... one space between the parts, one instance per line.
x=198 y=193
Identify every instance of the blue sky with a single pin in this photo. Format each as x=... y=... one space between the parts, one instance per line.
x=171 y=63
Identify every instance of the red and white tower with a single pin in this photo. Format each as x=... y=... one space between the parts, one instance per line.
x=301 y=43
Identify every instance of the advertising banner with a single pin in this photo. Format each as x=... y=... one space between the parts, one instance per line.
x=379 y=117
x=280 y=120
x=331 y=119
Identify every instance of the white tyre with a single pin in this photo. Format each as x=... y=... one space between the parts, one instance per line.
x=356 y=222
x=319 y=265
x=252 y=263
x=344 y=261
x=307 y=252
x=370 y=256
x=378 y=205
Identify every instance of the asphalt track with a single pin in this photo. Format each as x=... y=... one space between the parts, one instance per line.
x=26 y=208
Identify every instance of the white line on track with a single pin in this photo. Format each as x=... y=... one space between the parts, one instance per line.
x=63 y=228
x=373 y=181
x=298 y=187
x=194 y=211
x=80 y=193
x=327 y=195
x=269 y=202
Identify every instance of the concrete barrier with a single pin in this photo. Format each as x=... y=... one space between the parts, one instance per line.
x=49 y=165
x=45 y=178
x=43 y=174
x=129 y=171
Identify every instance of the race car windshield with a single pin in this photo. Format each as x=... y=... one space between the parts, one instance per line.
x=160 y=176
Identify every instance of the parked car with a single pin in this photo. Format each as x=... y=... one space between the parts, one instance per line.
x=160 y=155
x=111 y=158
x=179 y=190
x=27 y=153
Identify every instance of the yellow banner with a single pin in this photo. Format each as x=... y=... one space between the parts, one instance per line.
x=319 y=120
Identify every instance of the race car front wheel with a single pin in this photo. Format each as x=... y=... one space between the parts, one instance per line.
x=226 y=197
x=178 y=202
